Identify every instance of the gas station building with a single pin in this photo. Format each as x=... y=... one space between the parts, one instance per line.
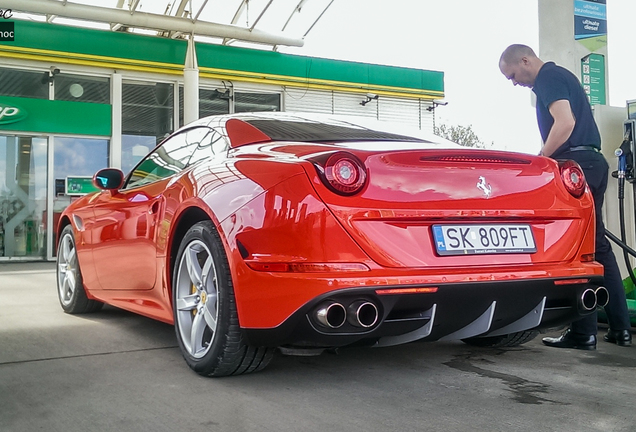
x=74 y=100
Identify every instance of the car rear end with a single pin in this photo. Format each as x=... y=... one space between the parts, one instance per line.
x=419 y=243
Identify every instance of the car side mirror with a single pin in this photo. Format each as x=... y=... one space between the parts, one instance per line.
x=109 y=179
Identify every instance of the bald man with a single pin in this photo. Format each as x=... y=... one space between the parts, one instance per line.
x=569 y=131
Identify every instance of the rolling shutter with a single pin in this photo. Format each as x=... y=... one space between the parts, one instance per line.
x=409 y=112
x=402 y=111
x=349 y=104
x=306 y=100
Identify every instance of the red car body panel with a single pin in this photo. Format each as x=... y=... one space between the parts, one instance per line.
x=272 y=208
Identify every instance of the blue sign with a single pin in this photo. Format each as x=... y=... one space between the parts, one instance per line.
x=590 y=9
x=590 y=23
x=589 y=27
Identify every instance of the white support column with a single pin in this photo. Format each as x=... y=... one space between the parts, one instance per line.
x=50 y=196
x=116 y=101
x=190 y=85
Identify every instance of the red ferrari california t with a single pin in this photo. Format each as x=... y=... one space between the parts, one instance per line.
x=259 y=231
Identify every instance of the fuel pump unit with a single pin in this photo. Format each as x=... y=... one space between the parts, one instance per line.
x=626 y=154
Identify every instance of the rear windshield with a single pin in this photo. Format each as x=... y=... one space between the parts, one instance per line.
x=284 y=130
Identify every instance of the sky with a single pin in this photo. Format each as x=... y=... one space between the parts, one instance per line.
x=464 y=39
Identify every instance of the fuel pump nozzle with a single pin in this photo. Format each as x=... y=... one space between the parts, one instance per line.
x=622 y=173
x=624 y=154
x=627 y=156
x=622 y=168
x=622 y=162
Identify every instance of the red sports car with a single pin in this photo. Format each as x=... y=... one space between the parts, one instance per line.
x=276 y=230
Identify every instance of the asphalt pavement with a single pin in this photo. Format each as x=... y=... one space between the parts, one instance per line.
x=116 y=371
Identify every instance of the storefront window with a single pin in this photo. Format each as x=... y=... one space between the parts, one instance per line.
x=211 y=102
x=23 y=161
x=148 y=109
x=253 y=102
x=21 y=83
x=82 y=88
x=218 y=101
x=79 y=156
x=75 y=157
x=147 y=119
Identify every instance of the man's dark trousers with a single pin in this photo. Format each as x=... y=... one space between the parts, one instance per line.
x=595 y=168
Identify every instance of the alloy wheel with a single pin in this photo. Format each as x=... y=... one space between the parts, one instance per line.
x=67 y=269
x=197 y=298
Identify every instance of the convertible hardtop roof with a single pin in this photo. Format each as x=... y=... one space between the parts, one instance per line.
x=262 y=127
x=289 y=130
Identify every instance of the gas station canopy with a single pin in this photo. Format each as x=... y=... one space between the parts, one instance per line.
x=237 y=22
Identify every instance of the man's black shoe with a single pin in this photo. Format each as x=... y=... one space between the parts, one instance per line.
x=571 y=340
x=619 y=337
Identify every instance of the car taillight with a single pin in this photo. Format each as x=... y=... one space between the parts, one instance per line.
x=343 y=173
x=573 y=178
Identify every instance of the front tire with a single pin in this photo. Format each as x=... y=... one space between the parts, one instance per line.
x=503 y=341
x=205 y=315
x=70 y=285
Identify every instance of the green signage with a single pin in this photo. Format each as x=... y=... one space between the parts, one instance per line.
x=11 y=113
x=63 y=117
x=593 y=78
x=79 y=185
x=121 y=50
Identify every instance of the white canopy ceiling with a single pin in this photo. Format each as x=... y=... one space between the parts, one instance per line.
x=238 y=22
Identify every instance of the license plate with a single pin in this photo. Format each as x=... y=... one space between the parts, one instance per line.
x=483 y=239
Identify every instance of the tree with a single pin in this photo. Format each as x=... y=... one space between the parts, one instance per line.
x=462 y=135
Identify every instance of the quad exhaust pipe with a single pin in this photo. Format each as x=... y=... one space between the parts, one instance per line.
x=332 y=315
x=602 y=296
x=591 y=298
x=360 y=313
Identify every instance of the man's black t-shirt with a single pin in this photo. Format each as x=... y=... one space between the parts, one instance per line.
x=555 y=83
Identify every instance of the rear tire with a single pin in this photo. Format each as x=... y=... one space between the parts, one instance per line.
x=70 y=285
x=503 y=341
x=205 y=316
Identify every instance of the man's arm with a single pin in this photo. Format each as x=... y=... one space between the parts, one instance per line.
x=561 y=129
